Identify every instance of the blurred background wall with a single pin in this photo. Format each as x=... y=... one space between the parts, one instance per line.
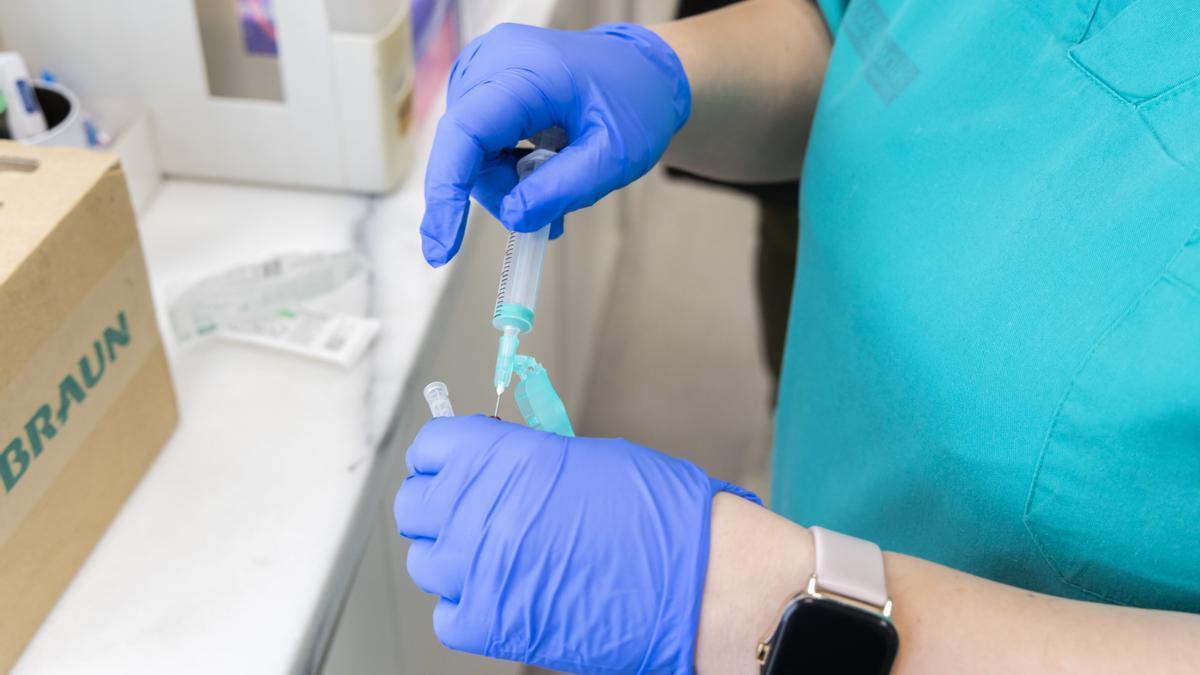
x=680 y=366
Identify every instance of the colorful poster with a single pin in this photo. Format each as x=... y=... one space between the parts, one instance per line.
x=258 y=27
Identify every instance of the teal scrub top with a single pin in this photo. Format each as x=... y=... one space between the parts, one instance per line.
x=993 y=357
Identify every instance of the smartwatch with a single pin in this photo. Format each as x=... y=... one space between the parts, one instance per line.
x=840 y=624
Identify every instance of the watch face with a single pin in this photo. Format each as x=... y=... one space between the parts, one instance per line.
x=824 y=637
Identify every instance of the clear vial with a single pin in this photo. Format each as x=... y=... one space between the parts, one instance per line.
x=438 y=398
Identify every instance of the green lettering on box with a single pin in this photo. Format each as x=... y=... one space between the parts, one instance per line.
x=15 y=459
x=90 y=379
x=13 y=463
x=68 y=389
x=113 y=336
x=34 y=434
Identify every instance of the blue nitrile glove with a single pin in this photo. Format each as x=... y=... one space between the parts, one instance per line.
x=579 y=554
x=617 y=90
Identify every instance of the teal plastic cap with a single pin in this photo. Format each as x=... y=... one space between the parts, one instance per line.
x=537 y=400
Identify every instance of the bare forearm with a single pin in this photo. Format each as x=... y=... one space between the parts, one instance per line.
x=948 y=621
x=955 y=622
x=755 y=71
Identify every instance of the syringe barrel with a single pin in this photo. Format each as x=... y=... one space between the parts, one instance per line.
x=519 y=279
x=521 y=273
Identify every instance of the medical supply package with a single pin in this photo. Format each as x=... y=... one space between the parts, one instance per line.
x=86 y=399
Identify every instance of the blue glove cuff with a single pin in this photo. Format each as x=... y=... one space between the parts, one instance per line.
x=722 y=486
x=661 y=55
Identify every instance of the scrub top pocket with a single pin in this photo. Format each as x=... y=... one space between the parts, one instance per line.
x=1147 y=56
x=1114 y=504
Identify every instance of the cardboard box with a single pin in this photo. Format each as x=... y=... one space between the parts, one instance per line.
x=85 y=395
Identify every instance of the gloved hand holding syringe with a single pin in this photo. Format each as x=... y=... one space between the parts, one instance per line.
x=521 y=271
x=516 y=299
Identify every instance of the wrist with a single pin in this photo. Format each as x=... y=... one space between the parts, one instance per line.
x=757 y=561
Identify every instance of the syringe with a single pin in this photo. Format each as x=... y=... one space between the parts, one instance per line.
x=521 y=271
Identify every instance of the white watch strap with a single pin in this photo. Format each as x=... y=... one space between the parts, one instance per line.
x=850 y=567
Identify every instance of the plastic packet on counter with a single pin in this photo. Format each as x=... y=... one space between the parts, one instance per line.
x=267 y=303
x=337 y=338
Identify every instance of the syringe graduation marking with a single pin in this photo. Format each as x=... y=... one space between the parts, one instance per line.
x=505 y=271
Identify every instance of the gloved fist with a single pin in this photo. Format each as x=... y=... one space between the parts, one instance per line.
x=579 y=554
x=617 y=90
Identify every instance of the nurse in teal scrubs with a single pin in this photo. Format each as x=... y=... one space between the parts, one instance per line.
x=993 y=360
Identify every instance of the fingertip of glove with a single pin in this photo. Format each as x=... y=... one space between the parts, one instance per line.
x=440 y=243
x=436 y=427
x=518 y=215
x=403 y=511
x=396 y=506
x=433 y=250
x=513 y=212
x=444 y=625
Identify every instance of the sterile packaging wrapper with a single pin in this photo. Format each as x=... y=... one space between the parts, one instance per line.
x=335 y=338
x=86 y=399
x=269 y=303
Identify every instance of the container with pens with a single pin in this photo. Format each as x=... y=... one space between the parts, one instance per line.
x=40 y=112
